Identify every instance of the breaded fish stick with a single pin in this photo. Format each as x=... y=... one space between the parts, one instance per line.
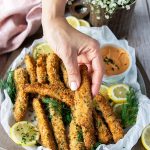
x=75 y=140
x=84 y=109
x=89 y=136
x=31 y=68
x=45 y=130
x=58 y=127
x=83 y=100
x=53 y=66
x=41 y=69
x=108 y=114
x=54 y=91
x=20 y=78
x=65 y=75
x=75 y=133
x=104 y=135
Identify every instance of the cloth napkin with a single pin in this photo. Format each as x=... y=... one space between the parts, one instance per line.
x=18 y=19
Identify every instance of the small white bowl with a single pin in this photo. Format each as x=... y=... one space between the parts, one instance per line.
x=119 y=77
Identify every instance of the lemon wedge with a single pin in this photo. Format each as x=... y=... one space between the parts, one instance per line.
x=84 y=23
x=104 y=91
x=117 y=93
x=24 y=133
x=42 y=48
x=145 y=138
x=73 y=21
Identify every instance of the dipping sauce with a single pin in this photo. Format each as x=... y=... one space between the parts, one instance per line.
x=116 y=60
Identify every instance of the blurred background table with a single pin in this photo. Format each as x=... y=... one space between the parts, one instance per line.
x=139 y=38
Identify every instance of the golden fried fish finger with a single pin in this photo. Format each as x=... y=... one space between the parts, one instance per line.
x=58 y=126
x=41 y=69
x=21 y=102
x=88 y=136
x=108 y=114
x=31 y=68
x=104 y=135
x=53 y=66
x=75 y=138
x=45 y=130
x=54 y=91
x=84 y=109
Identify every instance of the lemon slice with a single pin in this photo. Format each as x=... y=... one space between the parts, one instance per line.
x=117 y=93
x=104 y=91
x=146 y=137
x=24 y=133
x=42 y=48
x=73 y=21
x=84 y=23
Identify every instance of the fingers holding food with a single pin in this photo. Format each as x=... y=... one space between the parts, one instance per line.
x=45 y=130
x=41 y=69
x=21 y=102
x=31 y=68
x=109 y=116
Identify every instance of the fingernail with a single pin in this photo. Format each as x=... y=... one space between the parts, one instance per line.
x=73 y=86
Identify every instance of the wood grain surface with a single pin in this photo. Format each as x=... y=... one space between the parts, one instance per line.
x=139 y=37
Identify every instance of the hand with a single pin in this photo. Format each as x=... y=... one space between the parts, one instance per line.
x=74 y=48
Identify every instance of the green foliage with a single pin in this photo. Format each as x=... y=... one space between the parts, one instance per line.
x=80 y=136
x=66 y=114
x=61 y=108
x=54 y=104
x=130 y=110
x=94 y=147
x=9 y=85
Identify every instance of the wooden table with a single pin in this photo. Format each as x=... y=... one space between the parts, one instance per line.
x=139 y=37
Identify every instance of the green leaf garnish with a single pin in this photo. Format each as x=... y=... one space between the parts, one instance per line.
x=61 y=108
x=94 y=147
x=66 y=114
x=9 y=85
x=80 y=136
x=130 y=110
x=54 y=104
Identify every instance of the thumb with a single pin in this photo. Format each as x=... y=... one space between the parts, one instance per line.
x=73 y=72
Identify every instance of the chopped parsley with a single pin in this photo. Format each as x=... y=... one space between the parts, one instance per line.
x=110 y=61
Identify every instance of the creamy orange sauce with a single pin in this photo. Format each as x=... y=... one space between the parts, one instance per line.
x=116 y=60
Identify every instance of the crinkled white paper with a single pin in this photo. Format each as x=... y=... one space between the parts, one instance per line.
x=104 y=36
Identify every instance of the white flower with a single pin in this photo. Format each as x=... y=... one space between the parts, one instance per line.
x=110 y=6
x=98 y=18
x=106 y=16
x=127 y=7
x=69 y=3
